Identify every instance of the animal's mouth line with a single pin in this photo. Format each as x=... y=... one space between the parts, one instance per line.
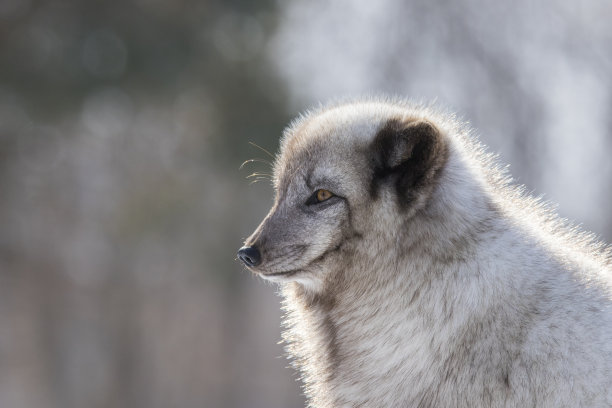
x=281 y=273
x=262 y=272
x=291 y=272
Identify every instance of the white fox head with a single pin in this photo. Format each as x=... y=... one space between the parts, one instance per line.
x=338 y=171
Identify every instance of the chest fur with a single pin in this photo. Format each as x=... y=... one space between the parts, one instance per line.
x=381 y=350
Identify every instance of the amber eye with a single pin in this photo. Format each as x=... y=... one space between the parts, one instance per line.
x=323 y=195
x=319 y=196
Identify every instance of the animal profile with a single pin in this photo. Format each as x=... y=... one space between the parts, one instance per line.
x=415 y=274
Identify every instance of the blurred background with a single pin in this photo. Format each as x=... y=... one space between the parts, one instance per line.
x=123 y=125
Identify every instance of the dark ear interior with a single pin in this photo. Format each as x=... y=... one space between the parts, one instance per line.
x=408 y=154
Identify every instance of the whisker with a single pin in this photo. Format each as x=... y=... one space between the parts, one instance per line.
x=259 y=179
x=263 y=175
x=255 y=160
x=262 y=149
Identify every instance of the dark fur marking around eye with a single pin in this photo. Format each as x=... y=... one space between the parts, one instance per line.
x=407 y=154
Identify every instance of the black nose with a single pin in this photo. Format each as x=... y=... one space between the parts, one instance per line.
x=249 y=255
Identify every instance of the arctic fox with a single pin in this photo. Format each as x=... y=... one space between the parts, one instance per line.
x=414 y=274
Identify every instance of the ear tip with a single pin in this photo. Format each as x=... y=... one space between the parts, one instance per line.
x=396 y=141
x=423 y=125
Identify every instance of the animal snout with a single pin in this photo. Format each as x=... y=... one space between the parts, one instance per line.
x=249 y=255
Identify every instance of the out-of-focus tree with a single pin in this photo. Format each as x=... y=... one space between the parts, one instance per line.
x=122 y=128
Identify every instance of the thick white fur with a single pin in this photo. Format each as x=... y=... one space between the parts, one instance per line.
x=479 y=296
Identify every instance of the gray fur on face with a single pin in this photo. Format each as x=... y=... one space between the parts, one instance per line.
x=427 y=279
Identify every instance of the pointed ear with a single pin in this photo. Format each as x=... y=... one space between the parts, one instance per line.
x=409 y=153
